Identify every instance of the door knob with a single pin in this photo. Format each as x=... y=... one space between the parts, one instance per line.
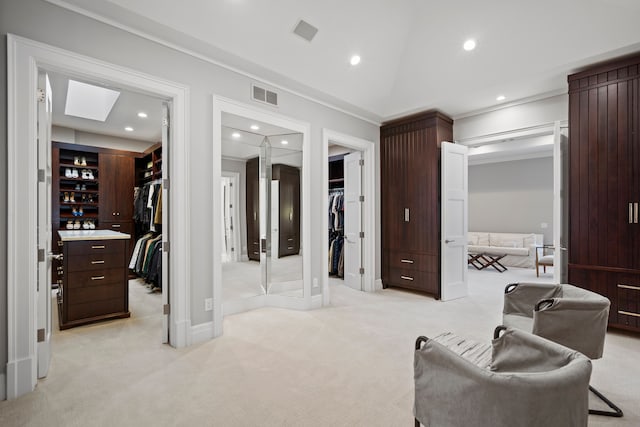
x=58 y=257
x=449 y=241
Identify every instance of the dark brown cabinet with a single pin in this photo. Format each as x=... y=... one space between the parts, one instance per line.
x=253 y=208
x=95 y=281
x=604 y=186
x=117 y=179
x=288 y=208
x=410 y=207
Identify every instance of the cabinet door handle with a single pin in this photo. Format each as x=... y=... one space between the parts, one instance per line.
x=630 y=213
x=115 y=225
x=407 y=278
x=635 y=212
x=97 y=277
x=289 y=247
x=406 y=214
x=97 y=247
x=97 y=262
x=407 y=261
x=289 y=240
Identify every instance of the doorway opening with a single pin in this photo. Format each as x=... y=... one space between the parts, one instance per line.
x=104 y=178
x=25 y=340
x=349 y=194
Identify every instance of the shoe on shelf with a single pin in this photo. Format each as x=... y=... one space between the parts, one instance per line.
x=69 y=225
x=80 y=211
x=68 y=173
x=77 y=187
x=76 y=161
x=76 y=225
x=74 y=173
x=90 y=175
x=92 y=225
x=85 y=225
x=66 y=196
x=72 y=198
x=83 y=188
x=74 y=211
x=83 y=161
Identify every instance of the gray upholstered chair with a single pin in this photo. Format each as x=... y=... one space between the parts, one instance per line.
x=565 y=314
x=518 y=380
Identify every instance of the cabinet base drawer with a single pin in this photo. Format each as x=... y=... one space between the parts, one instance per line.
x=418 y=280
x=95 y=247
x=95 y=293
x=413 y=261
x=95 y=308
x=90 y=279
x=96 y=262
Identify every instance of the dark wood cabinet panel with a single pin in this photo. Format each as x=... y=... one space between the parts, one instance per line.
x=604 y=183
x=117 y=179
x=253 y=208
x=289 y=208
x=410 y=207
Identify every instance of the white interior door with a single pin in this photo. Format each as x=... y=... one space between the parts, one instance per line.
x=352 y=247
x=454 y=222
x=166 y=301
x=559 y=255
x=44 y=224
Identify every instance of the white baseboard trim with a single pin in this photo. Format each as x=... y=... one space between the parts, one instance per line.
x=20 y=377
x=316 y=301
x=183 y=332
x=377 y=285
x=202 y=332
x=3 y=387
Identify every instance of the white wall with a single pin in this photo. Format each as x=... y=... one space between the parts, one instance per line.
x=518 y=116
x=50 y=24
x=240 y=167
x=72 y=136
x=514 y=196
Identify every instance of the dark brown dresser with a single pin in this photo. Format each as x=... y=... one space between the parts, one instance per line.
x=94 y=283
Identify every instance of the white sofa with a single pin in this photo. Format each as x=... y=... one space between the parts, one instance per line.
x=519 y=248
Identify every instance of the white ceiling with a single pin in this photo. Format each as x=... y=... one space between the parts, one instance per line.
x=124 y=112
x=248 y=142
x=412 y=56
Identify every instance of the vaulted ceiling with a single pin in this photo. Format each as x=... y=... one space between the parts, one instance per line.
x=411 y=50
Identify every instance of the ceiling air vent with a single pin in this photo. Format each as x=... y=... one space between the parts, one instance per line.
x=305 y=30
x=263 y=95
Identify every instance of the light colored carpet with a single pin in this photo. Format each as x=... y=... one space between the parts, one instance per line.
x=349 y=364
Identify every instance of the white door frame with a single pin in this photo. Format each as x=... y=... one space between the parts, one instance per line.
x=24 y=58
x=235 y=197
x=368 y=208
x=226 y=105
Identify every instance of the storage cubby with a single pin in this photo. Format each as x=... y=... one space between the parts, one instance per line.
x=78 y=189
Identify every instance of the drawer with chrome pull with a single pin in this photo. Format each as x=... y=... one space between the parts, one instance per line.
x=628 y=306
x=82 y=279
x=99 y=261
x=411 y=279
x=413 y=261
x=95 y=246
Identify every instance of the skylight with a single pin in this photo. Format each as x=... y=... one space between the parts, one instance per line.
x=89 y=101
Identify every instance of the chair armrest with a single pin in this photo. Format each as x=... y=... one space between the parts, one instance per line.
x=521 y=298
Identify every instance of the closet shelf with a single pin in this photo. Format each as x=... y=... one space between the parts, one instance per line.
x=71 y=165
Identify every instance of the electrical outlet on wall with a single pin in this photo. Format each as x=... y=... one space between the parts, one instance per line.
x=208 y=304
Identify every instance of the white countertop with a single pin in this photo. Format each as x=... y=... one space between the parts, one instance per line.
x=73 y=235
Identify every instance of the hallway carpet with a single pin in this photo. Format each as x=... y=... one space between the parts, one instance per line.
x=348 y=364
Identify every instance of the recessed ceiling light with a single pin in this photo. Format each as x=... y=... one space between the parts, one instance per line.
x=235 y=135
x=129 y=129
x=255 y=127
x=284 y=142
x=89 y=101
x=142 y=115
x=501 y=98
x=469 y=45
x=355 y=60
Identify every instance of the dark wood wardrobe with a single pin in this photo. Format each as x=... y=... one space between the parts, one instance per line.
x=604 y=186
x=289 y=208
x=410 y=200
